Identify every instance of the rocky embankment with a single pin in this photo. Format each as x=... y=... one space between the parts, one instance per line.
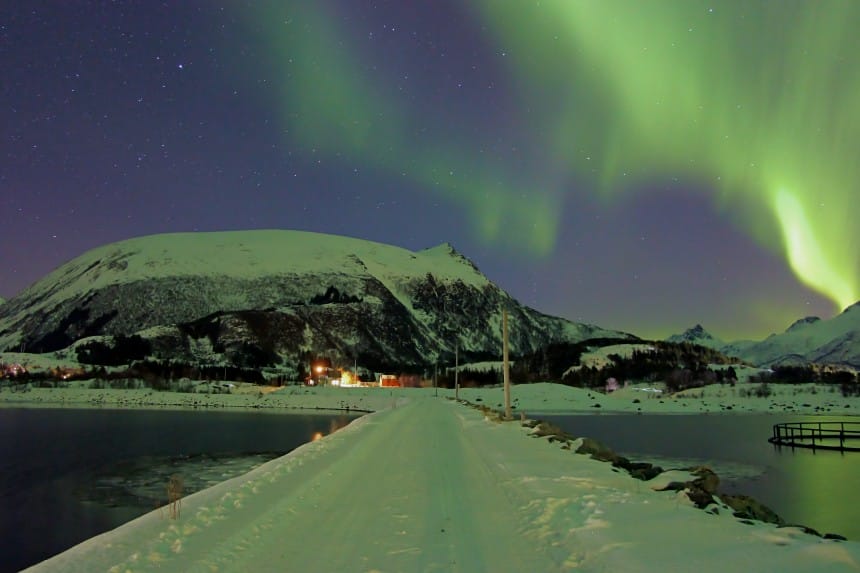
x=702 y=490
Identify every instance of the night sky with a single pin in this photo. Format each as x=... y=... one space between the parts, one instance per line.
x=640 y=165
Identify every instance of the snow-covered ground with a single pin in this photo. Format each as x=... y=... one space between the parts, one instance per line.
x=433 y=485
x=641 y=398
x=242 y=395
x=531 y=399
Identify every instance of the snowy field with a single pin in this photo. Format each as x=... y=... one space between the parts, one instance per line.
x=432 y=485
x=529 y=398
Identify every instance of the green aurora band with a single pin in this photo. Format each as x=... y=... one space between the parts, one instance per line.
x=329 y=106
x=756 y=103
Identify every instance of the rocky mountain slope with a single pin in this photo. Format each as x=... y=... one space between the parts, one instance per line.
x=273 y=297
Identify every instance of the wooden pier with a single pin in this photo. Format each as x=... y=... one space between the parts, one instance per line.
x=841 y=436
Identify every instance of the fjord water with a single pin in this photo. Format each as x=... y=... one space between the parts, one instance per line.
x=67 y=475
x=819 y=489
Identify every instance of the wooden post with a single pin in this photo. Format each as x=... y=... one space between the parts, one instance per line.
x=841 y=436
x=506 y=368
x=457 y=373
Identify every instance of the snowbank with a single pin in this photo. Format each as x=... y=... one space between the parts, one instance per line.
x=556 y=398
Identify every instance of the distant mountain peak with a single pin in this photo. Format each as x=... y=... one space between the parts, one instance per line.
x=696 y=335
x=802 y=323
x=441 y=246
x=447 y=248
x=698 y=330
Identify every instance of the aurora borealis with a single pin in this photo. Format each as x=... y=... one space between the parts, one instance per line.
x=757 y=101
x=640 y=165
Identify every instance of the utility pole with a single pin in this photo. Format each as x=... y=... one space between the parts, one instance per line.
x=506 y=368
x=457 y=373
x=435 y=382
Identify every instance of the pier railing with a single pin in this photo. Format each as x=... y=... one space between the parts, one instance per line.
x=842 y=436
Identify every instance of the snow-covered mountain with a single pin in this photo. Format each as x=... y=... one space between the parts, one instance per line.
x=697 y=335
x=808 y=340
x=215 y=297
x=833 y=341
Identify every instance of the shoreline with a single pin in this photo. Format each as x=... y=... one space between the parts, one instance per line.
x=296 y=400
x=531 y=399
x=272 y=410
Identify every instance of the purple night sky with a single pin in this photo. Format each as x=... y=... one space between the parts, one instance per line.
x=123 y=119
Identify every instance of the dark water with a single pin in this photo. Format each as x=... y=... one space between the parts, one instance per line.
x=67 y=475
x=818 y=489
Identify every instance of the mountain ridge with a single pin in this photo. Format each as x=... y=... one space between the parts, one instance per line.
x=222 y=297
x=834 y=341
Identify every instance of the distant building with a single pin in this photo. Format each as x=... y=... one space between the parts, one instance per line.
x=320 y=372
x=11 y=370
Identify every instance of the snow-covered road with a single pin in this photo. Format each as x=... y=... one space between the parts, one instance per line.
x=414 y=493
x=405 y=490
x=433 y=486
